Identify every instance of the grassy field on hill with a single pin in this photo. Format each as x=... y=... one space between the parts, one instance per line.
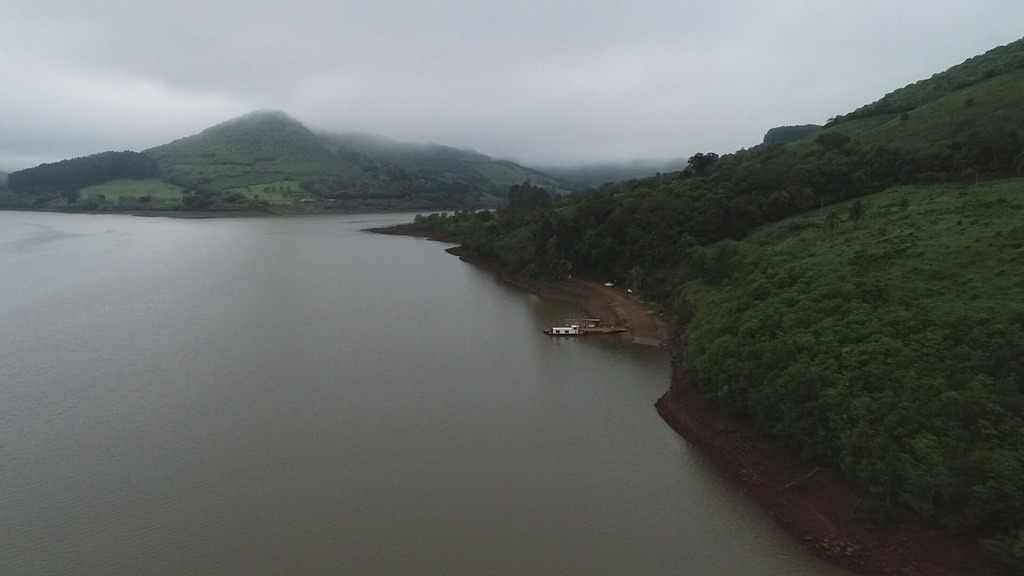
x=157 y=190
x=982 y=109
x=972 y=72
x=278 y=193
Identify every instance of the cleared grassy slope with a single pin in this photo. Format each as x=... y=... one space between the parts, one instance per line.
x=996 y=62
x=993 y=103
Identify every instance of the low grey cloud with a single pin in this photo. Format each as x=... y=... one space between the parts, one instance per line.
x=558 y=81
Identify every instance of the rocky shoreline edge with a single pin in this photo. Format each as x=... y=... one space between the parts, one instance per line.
x=808 y=501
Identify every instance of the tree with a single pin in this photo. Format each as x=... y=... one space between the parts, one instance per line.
x=526 y=197
x=700 y=163
x=526 y=203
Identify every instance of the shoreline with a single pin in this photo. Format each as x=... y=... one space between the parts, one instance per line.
x=610 y=304
x=810 y=502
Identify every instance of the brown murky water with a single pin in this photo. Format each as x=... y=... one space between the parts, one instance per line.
x=295 y=396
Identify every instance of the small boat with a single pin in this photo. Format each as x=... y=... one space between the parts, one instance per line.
x=586 y=326
x=569 y=330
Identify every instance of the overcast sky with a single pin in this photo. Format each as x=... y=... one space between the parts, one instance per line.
x=539 y=81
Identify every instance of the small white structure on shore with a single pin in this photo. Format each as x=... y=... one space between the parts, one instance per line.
x=570 y=330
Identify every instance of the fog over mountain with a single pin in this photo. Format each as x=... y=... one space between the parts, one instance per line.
x=542 y=83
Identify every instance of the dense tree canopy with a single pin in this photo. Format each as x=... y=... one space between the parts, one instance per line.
x=888 y=347
x=69 y=176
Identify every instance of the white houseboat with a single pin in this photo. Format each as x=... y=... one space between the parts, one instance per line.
x=569 y=330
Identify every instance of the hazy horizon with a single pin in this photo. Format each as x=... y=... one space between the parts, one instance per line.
x=559 y=83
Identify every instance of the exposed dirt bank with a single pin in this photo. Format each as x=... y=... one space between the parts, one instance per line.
x=811 y=503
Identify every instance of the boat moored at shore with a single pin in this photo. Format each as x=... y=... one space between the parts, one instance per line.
x=570 y=330
x=583 y=327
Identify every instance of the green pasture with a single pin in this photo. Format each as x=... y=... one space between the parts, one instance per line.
x=114 y=190
x=278 y=193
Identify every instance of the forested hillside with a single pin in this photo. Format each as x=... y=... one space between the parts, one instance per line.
x=855 y=293
x=444 y=166
x=69 y=176
x=883 y=337
x=62 y=182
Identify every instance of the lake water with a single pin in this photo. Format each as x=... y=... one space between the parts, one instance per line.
x=296 y=396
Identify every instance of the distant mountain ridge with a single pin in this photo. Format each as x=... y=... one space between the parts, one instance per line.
x=270 y=148
x=449 y=163
x=596 y=175
x=267 y=160
x=259 y=148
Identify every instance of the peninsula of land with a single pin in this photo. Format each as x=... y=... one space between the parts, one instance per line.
x=807 y=500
